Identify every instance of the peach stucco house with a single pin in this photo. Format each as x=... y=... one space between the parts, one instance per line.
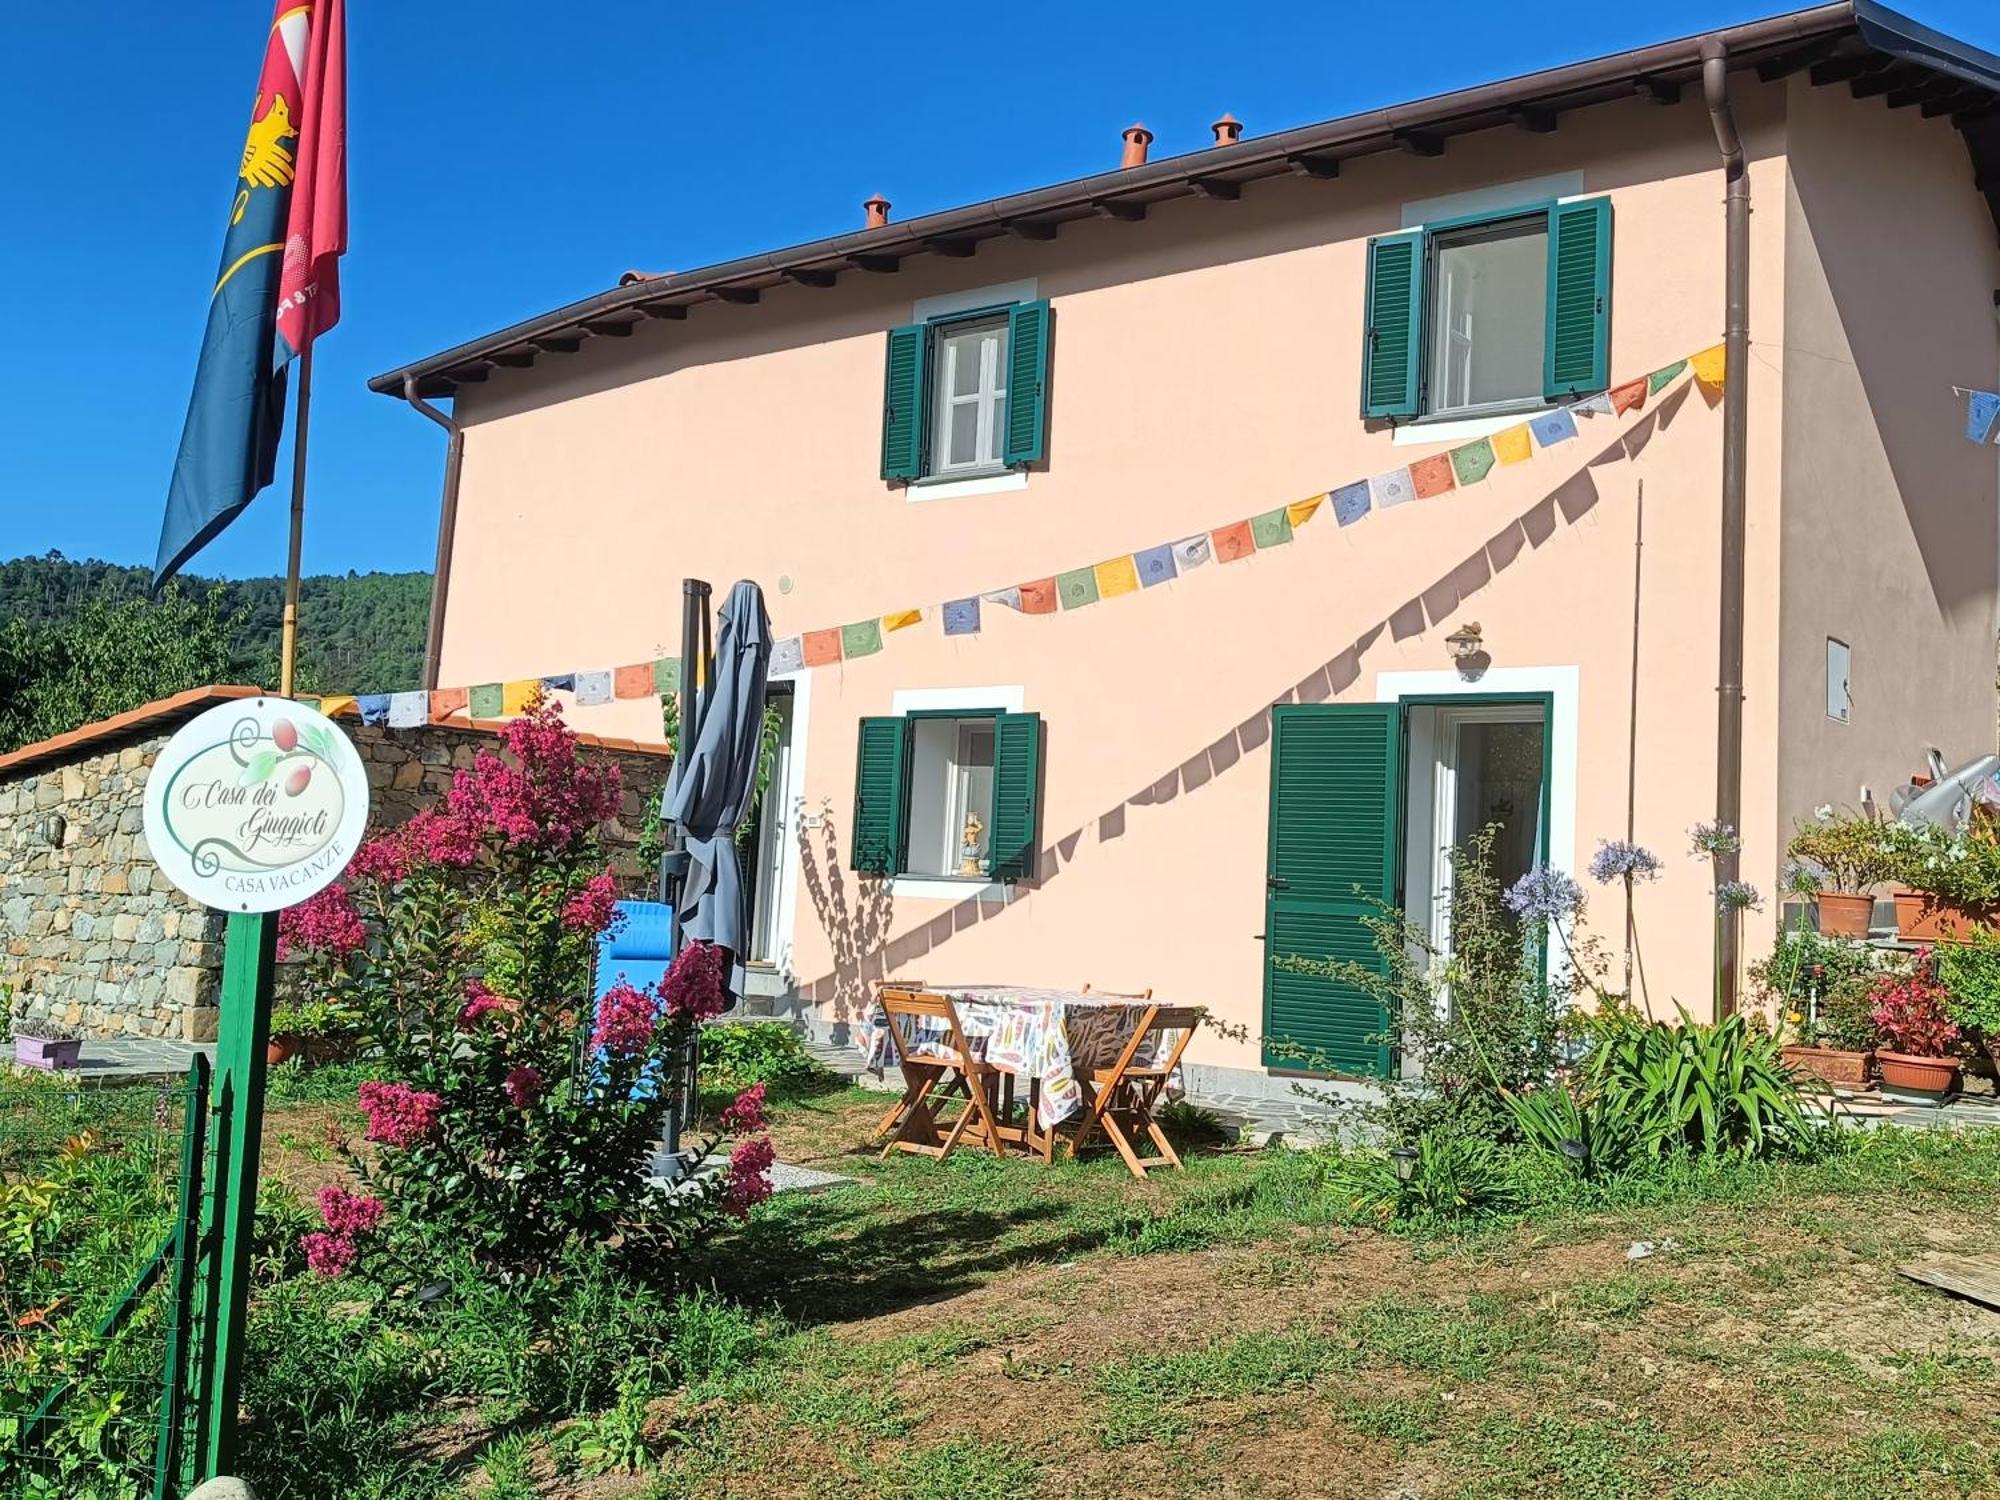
x=1176 y=785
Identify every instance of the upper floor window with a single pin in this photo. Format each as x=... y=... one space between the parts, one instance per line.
x=1494 y=314
x=966 y=394
x=970 y=420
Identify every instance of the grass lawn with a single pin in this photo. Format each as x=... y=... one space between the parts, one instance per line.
x=984 y=1328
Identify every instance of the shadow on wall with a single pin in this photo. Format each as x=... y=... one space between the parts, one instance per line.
x=860 y=953
x=856 y=925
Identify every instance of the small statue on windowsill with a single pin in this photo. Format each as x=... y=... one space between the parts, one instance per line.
x=971 y=852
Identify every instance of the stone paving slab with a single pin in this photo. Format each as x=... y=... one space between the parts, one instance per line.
x=785 y=1176
x=125 y=1059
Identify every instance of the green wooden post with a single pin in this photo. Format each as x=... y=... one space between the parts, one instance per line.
x=249 y=960
x=173 y=1463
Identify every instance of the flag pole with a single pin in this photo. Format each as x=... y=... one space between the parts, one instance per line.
x=288 y=639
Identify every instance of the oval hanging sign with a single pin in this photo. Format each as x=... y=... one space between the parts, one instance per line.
x=254 y=805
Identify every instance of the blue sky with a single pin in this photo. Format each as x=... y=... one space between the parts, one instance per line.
x=508 y=157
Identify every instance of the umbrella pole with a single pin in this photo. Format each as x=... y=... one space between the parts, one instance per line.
x=674 y=862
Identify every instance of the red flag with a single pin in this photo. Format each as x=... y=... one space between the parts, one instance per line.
x=316 y=228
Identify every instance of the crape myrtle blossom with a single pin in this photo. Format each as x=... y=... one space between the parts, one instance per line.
x=326 y=921
x=747 y=1180
x=594 y=907
x=746 y=1114
x=693 y=986
x=1544 y=895
x=626 y=1018
x=399 y=1115
x=547 y=797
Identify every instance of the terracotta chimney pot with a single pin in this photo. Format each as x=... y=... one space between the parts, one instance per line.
x=1137 y=139
x=877 y=209
x=1228 y=130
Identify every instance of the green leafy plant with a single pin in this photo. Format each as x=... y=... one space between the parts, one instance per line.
x=1970 y=974
x=1820 y=988
x=313 y=1020
x=1962 y=867
x=737 y=1054
x=1453 y=1177
x=1479 y=1019
x=1691 y=1086
x=1850 y=853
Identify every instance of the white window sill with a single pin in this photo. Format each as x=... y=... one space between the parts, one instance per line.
x=960 y=489
x=1426 y=431
x=948 y=888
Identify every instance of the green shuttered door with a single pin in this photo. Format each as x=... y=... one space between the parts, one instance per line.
x=878 y=796
x=903 y=403
x=1335 y=777
x=1027 y=383
x=1393 y=335
x=1017 y=767
x=1577 y=357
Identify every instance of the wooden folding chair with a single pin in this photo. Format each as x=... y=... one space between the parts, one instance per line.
x=1120 y=1099
x=1145 y=994
x=920 y=1129
x=895 y=1113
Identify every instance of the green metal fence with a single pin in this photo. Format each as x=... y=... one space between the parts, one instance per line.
x=101 y=1316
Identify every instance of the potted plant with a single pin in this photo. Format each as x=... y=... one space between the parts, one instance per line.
x=45 y=1044
x=1954 y=881
x=315 y=1030
x=1970 y=974
x=1844 y=858
x=1917 y=1035
x=1821 y=990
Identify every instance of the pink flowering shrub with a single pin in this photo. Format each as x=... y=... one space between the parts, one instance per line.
x=513 y=1117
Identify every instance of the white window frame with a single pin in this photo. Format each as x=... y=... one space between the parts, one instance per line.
x=1503 y=225
x=987 y=397
x=1010 y=700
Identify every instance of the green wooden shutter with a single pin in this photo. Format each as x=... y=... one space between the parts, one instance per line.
x=1027 y=382
x=1017 y=811
x=1576 y=358
x=1336 y=780
x=879 y=795
x=903 y=402
x=1393 y=326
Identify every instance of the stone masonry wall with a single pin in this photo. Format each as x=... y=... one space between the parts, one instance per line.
x=93 y=936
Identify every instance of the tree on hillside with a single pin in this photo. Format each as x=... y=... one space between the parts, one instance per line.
x=106 y=658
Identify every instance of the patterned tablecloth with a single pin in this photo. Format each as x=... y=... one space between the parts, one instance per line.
x=1044 y=1034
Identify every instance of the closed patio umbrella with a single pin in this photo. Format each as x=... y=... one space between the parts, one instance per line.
x=708 y=791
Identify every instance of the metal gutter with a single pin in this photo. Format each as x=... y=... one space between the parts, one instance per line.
x=1734 y=508
x=1531 y=101
x=454 y=459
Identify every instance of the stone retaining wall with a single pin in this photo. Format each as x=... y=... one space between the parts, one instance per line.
x=91 y=934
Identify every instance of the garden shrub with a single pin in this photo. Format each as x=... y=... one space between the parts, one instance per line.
x=738 y=1054
x=1690 y=1086
x=1970 y=974
x=507 y=1116
x=1456 y=1177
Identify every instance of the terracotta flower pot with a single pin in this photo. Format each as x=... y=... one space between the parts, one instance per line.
x=1848 y=1070
x=1924 y=918
x=1843 y=914
x=1918 y=1075
x=281 y=1050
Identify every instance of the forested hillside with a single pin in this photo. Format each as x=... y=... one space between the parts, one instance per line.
x=358 y=631
x=80 y=640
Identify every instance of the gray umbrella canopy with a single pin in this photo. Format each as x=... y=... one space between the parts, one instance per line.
x=708 y=791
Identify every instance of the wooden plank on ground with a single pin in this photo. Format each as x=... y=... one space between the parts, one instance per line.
x=1973 y=1276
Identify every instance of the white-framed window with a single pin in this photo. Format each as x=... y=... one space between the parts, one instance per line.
x=1488 y=315
x=1839 y=696
x=969 y=423
x=951 y=797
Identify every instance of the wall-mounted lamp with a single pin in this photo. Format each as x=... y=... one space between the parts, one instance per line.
x=53 y=827
x=1465 y=642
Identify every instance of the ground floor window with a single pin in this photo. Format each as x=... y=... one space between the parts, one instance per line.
x=951 y=795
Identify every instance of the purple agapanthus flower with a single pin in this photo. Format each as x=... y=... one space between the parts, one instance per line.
x=1621 y=859
x=1738 y=895
x=1544 y=895
x=1711 y=840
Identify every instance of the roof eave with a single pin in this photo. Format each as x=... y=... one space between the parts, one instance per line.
x=1774 y=46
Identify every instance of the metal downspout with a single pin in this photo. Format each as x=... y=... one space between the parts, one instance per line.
x=454 y=454
x=1735 y=432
